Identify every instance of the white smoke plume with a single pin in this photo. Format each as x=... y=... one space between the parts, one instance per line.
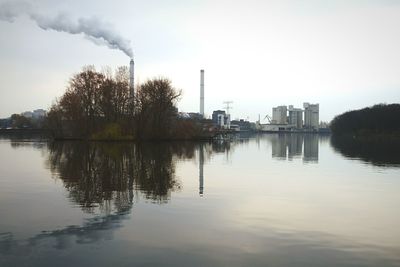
x=94 y=29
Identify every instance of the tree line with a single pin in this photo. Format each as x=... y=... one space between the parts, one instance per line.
x=21 y=122
x=378 y=119
x=98 y=105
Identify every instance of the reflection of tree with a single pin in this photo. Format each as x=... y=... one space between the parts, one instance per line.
x=22 y=143
x=106 y=175
x=93 y=173
x=378 y=151
x=98 y=174
x=155 y=170
x=25 y=137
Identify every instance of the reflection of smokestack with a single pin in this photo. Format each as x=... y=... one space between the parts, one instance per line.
x=202 y=92
x=201 y=170
x=132 y=78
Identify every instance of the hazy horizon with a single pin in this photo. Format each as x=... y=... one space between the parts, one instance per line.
x=258 y=54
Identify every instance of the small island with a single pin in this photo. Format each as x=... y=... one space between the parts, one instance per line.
x=100 y=106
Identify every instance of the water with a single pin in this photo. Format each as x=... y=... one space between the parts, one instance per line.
x=269 y=200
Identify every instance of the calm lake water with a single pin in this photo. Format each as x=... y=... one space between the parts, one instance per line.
x=268 y=200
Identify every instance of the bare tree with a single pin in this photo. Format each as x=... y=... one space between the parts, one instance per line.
x=156 y=109
x=97 y=104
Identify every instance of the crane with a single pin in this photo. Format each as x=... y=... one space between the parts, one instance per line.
x=268 y=117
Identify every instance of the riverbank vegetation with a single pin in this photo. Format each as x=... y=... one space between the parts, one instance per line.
x=379 y=121
x=99 y=106
x=18 y=121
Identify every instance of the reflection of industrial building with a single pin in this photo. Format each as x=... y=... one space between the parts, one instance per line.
x=279 y=147
x=295 y=145
x=289 y=146
x=310 y=147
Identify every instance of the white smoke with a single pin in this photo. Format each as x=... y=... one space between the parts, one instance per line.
x=94 y=29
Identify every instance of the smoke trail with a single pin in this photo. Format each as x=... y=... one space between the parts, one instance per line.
x=9 y=11
x=94 y=29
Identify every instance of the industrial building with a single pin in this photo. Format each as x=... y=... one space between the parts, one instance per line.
x=279 y=115
x=36 y=114
x=242 y=125
x=221 y=119
x=291 y=120
x=215 y=115
x=311 y=116
x=295 y=117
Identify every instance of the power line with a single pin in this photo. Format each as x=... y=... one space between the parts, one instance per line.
x=228 y=106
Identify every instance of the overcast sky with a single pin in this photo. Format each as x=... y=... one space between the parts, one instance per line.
x=259 y=54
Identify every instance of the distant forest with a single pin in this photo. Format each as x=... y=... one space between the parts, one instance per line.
x=379 y=119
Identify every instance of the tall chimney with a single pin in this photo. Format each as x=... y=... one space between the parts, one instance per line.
x=202 y=92
x=132 y=78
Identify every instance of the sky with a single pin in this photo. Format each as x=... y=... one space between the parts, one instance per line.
x=341 y=54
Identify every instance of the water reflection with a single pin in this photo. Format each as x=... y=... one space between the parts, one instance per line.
x=295 y=146
x=290 y=146
x=201 y=169
x=378 y=151
x=311 y=148
x=95 y=173
x=264 y=219
x=106 y=179
x=93 y=230
x=103 y=176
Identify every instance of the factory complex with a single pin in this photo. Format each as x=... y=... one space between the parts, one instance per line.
x=292 y=119
x=284 y=119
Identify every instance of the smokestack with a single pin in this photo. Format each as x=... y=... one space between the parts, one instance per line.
x=202 y=92
x=132 y=78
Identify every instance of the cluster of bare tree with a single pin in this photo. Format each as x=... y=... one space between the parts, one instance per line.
x=157 y=113
x=99 y=105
